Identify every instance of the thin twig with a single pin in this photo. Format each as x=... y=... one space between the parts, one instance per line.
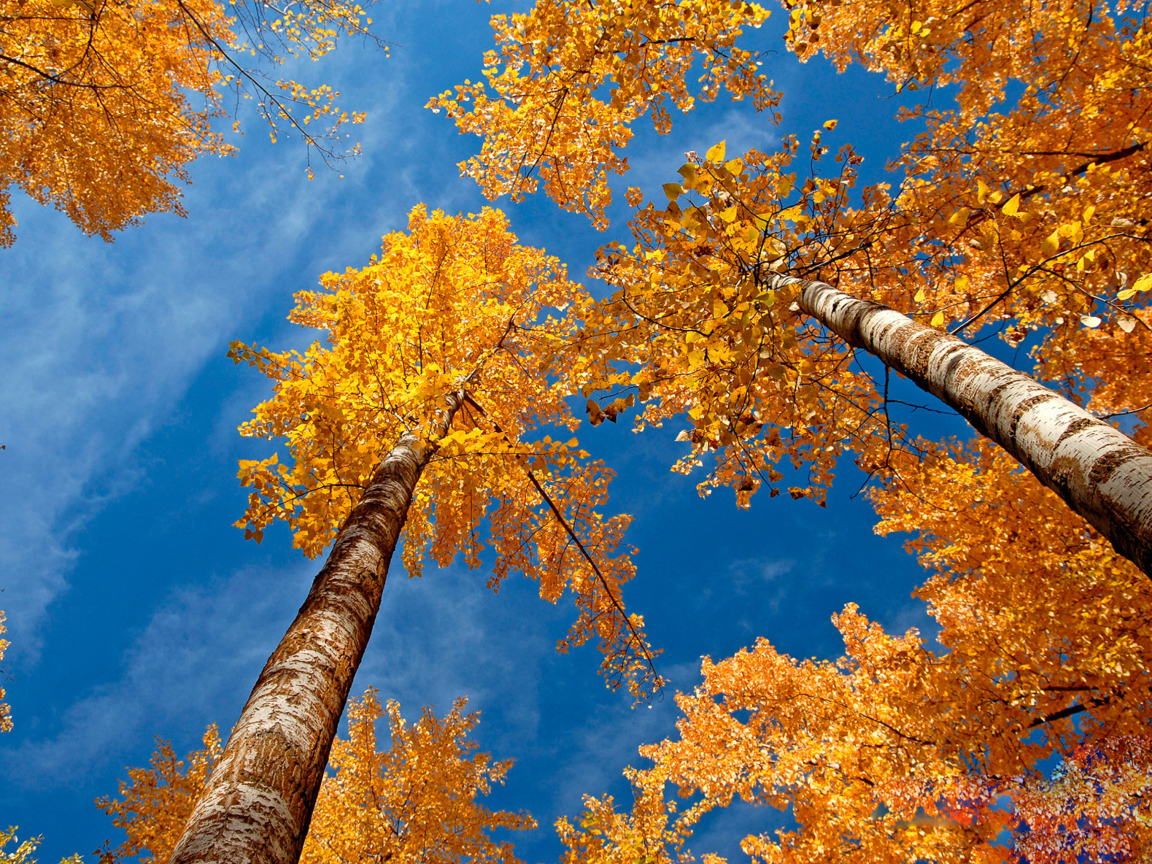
x=643 y=649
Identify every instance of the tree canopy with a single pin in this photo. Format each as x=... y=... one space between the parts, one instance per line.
x=104 y=104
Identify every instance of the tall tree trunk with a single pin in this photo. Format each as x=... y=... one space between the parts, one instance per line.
x=258 y=801
x=1100 y=472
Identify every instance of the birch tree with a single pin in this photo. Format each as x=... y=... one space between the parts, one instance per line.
x=423 y=415
x=1025 y=218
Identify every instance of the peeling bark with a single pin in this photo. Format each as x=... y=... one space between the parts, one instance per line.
x=258 y=801
x=1099 y=471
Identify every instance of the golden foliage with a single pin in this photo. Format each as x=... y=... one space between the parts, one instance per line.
x=103 y=105
x=758 y=383
x=893 y=753
x=1023 y=586
x=1029 y=216
x=570 y=78
x=452 y=305
x=1026 y=214
x=414 y=802
x=156 y=801
x=22 y=854
x=898 y=751
x=5 y=710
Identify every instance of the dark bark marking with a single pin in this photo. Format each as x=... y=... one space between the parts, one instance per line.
x=1075 y=427
x=926 y=342
x=1023 y=408
x=1103 y=468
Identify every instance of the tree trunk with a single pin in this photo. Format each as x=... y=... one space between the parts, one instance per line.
x=1100 y=472
x=258 y=801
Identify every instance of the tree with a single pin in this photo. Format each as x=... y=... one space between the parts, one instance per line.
x=548 y=115
x=104 y=104
x=442 y=368
x=419 y=800
x=5 y=710
x=705 y=296
x=1029 y=216
x=898 y=752
x=863 y=755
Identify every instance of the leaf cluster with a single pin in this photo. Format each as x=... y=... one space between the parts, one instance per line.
x=104 y=103
x=568 y=80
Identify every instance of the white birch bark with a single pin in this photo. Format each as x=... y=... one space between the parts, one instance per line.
x=1099 y=471
x=258 y=801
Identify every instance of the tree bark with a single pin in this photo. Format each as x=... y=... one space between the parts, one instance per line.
x=1099 y=471
x=258 y=801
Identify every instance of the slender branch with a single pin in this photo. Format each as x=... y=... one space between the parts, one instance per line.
x=641 y=647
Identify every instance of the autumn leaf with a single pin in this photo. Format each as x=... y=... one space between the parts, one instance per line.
x=1140 y=285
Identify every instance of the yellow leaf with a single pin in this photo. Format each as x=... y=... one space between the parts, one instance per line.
x=830 y=124
x=960 y=216
x=920 y=296
x=673 y=191
x=1141 y=284
x=1012 y=206
x=715 y=153
x=937 y=319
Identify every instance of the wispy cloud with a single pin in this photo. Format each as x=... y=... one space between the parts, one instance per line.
x=102 y=342
x=189 y=667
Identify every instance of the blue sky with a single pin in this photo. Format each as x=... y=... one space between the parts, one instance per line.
x=134 y=608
